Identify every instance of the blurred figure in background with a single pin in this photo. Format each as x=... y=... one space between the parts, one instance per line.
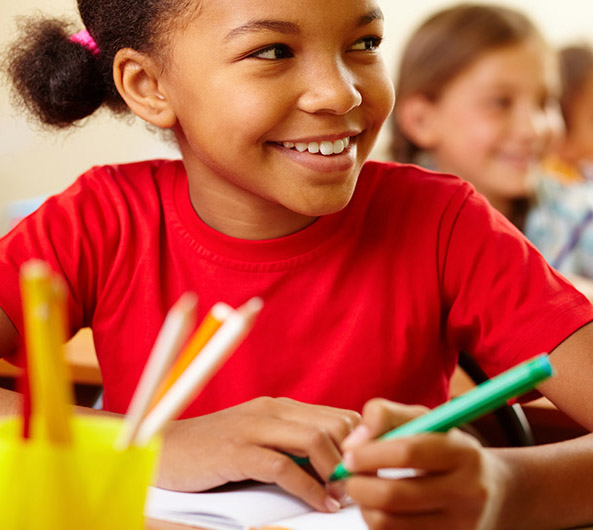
x=477 y=95
x=560 y=223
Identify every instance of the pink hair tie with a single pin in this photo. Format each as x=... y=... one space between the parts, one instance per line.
x=84 y=39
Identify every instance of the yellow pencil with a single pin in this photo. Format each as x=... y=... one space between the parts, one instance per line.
x=44 y=311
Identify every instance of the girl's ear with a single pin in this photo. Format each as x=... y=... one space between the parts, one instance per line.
x=416 y=116
x=136 y=77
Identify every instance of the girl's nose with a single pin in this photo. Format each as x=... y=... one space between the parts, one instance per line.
x=330 y=90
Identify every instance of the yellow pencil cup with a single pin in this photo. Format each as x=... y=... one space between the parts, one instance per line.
x=86 y=485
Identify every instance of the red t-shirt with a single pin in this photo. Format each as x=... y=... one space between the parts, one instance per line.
x=375 y=300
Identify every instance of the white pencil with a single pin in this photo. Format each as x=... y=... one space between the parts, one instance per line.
x=200 y=371
x=176 y=328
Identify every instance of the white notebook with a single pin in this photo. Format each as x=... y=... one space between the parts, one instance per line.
x=246 y=507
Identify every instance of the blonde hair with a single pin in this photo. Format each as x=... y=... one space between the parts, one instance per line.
x=445 y=45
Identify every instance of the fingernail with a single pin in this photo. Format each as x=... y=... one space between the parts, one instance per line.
x=358 y=435
x=348 y=460
x=345 y=500
x=332 y=504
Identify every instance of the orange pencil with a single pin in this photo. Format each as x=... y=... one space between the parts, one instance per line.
x=190 y=383
x=212 y=321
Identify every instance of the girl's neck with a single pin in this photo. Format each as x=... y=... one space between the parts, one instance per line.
x=239 y=213
x=236 y=220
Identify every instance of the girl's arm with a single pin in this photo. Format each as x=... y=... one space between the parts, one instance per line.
x=10 y=402
x=557 y=478
x=466 y=486
x=9 y=337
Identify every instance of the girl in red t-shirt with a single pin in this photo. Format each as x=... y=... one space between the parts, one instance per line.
x=275 y=106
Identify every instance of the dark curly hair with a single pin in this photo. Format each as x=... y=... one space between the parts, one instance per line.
x=60 y=81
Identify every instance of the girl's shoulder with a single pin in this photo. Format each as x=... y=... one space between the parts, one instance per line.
x=411 y=185
x=111 y=196
x=124 y=186
x=132 y=174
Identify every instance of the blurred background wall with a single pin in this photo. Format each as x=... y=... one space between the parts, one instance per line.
x=36 y=163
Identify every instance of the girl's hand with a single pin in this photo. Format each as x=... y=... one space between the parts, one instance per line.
x=253 y=441
x=459 y=484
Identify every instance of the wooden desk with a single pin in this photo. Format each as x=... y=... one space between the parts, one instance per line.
x=153 y=524
x=80 y=354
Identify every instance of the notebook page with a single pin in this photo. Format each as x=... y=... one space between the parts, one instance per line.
x=346 y=519
x=225 y=509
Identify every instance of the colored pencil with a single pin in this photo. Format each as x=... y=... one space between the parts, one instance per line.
x=473 y=404
x=202 y=368
x=175 y=330
x=44 y=311
x=212 y=321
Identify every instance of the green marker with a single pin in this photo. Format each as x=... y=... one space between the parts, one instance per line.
x=477 y=402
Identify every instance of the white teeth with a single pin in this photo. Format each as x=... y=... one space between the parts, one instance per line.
x=325 y=148
x=313 y=147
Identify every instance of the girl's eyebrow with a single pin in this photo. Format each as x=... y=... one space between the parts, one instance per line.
x=278 y=26
x=281 y=26
x=367 y=18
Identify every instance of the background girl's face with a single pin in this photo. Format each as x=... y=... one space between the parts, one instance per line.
x=494 y=121
x=259 y=88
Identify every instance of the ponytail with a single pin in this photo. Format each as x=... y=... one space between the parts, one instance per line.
x=55 y=78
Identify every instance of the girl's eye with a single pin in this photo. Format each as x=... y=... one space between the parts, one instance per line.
x=367 y=44
x=273 y=52
x=501 y=103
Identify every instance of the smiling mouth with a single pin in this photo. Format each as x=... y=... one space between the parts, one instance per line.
x=325 y=148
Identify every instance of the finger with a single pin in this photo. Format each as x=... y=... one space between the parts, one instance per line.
x=401 y=496
x=267 y=465
x=339 y=423
x=295 y=438
x=431 y=452
x=419 y=501
x=312 y=441
x=381 y=415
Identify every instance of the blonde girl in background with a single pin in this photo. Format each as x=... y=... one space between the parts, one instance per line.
x=477 y=96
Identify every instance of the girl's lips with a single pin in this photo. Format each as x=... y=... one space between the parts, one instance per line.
x=342 y=161
x=522 y=162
